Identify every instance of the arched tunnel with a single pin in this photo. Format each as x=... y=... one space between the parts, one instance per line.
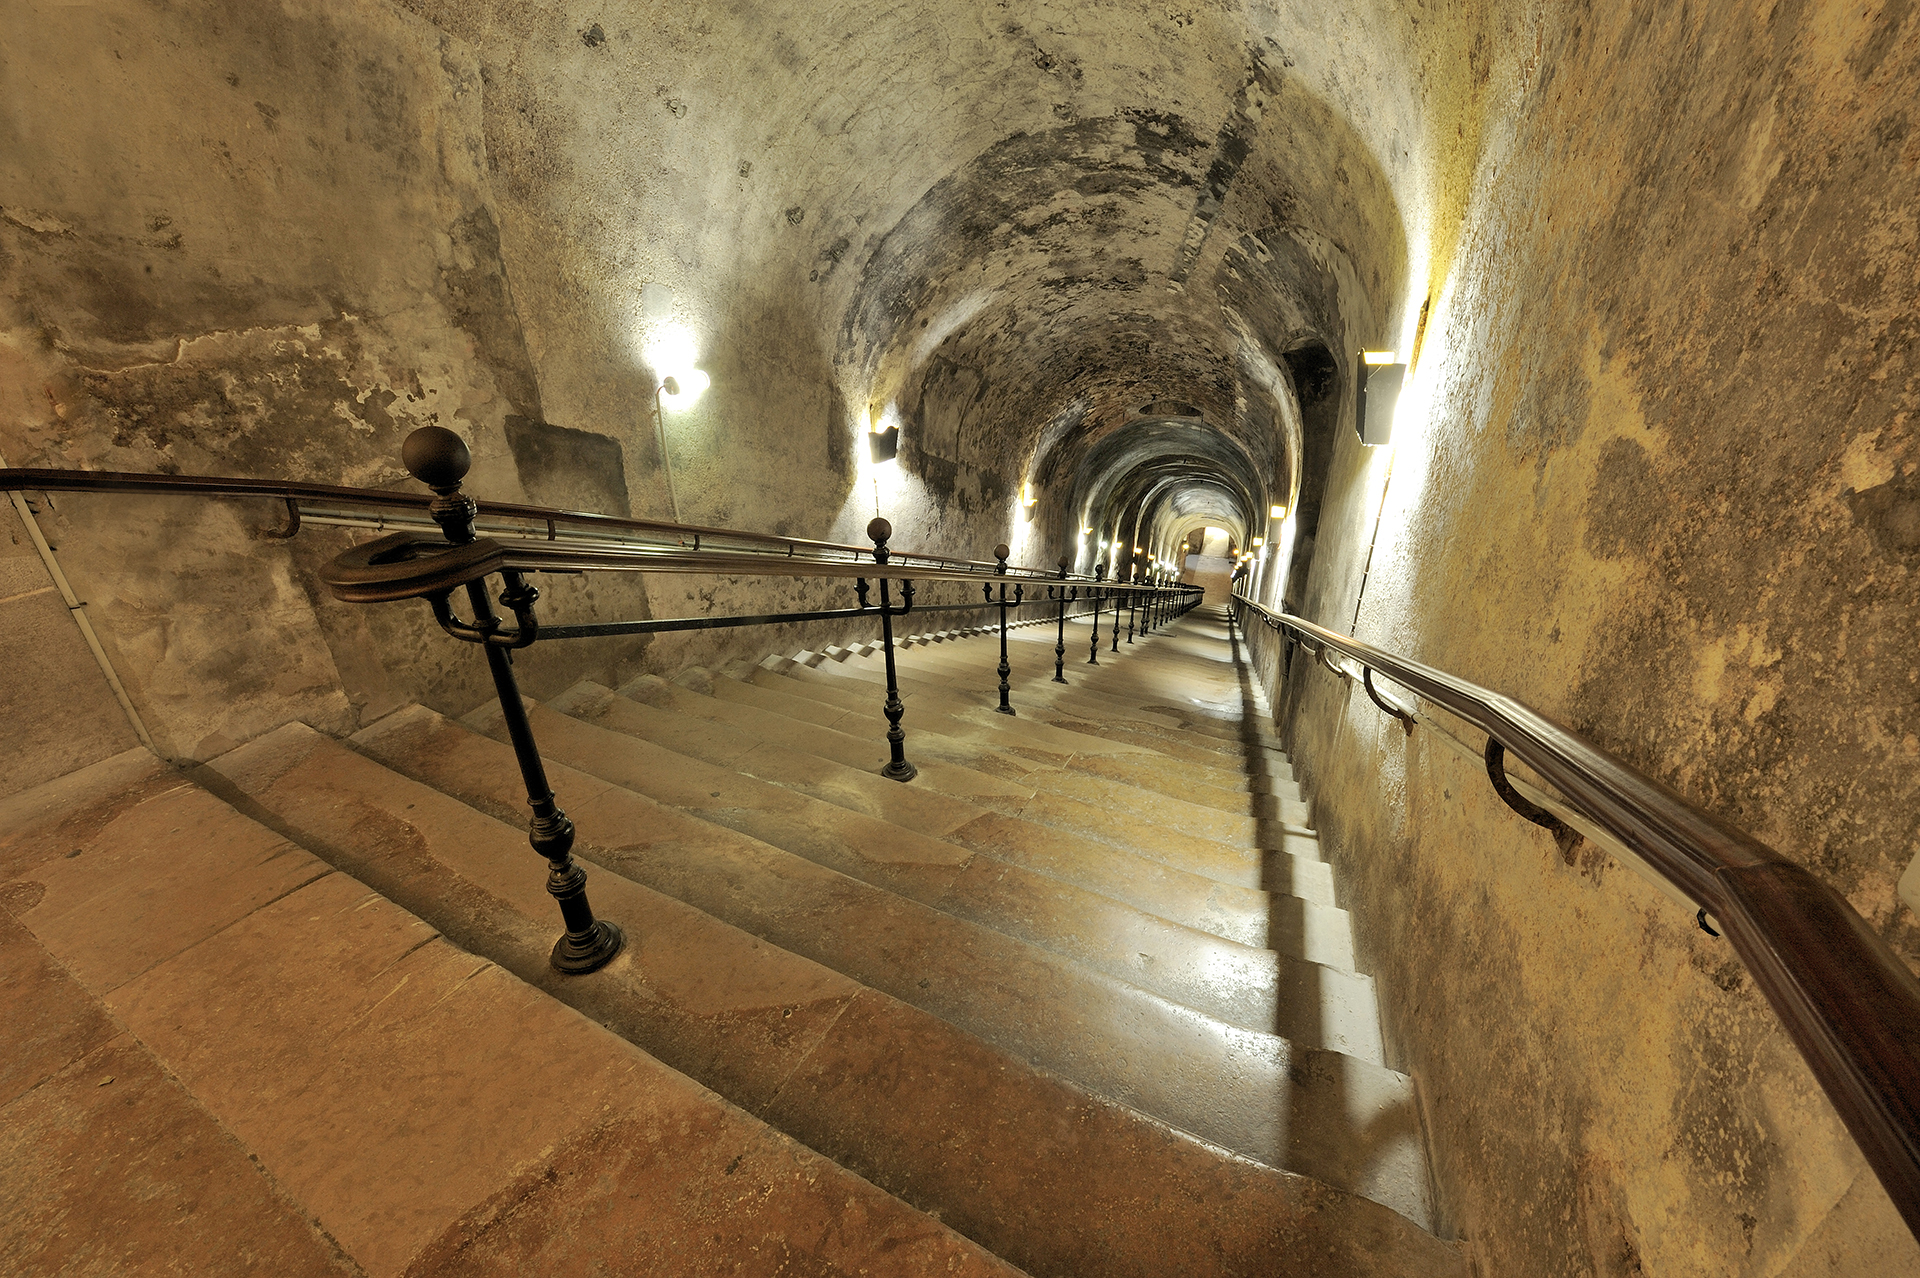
x=1110 y=284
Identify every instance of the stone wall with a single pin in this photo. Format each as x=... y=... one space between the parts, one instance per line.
x=1656 y=477
x=259 y=240
x=1653 y=265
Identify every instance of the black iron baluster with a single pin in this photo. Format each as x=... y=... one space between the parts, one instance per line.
x=1116 y=612
x=1132 y=599
x=1093 y=651
x=1000 y=554
x=897 y=769
x=1060 y=640
x=439 y=459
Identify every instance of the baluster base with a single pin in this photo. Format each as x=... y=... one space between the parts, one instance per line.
x=578 y=955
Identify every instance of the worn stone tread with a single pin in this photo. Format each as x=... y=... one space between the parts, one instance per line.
x=1063 y=853
x=1243 y=1090
x=738 y=728
x=1227 y=791
x=1107 y=934
x=404 y=1092
x=913 y=1104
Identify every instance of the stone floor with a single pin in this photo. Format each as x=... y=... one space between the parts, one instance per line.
x=1078 y=1000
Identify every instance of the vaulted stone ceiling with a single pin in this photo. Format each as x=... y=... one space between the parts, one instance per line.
x=1008 y=228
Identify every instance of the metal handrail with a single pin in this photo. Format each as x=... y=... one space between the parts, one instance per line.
x=1847 y=1001
x=453 y=556
x=647 y=545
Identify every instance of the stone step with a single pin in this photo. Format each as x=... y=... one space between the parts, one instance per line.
x=1122 y=694
x=960 y=730
x=1186 y=749
x=937 y=760
x=1042 y=728
x=1033 y=736
x=914 y=1105
x=1296 y=919
x=1326 y=942
x=989 y=755
x=1215 y=787
x=971 y=673
x=863 y=749
x=1088 y=720
x=1220 y=1082
x=972 y=670
x=1208 y=664
x=927 y=812
x=303 y=1062
x=1265 y=994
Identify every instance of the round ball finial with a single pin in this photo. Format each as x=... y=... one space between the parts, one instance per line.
x=1065 y=564
x=1001 y=552
x=436 y=457
x=879 y=529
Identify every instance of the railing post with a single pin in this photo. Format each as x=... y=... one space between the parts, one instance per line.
x=897 y=769
x=1093 y=650
x=1060 y=639
x=439 y=459
x=1116 y=611
x=1000 y=554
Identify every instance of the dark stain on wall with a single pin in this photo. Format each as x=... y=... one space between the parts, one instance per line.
x=1890 y=513
x=1623 y=481
x=1317 y=383
x=568 y=468
x=480 y=302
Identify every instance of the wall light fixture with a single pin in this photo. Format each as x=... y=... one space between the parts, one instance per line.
x=1377 y=384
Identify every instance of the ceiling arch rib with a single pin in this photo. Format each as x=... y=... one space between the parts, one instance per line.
x=1125 y=485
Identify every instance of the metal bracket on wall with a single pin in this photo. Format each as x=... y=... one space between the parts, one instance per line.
x=1496 y=756
x=1406 y=720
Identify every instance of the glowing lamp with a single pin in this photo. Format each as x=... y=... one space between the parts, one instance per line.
x=679 y=390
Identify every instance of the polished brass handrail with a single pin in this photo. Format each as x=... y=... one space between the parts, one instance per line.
x=1849 y=1003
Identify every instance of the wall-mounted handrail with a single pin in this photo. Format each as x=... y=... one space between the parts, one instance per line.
x=1847 y=1001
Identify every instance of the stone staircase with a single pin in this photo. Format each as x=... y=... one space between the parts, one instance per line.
x=1078 y=1000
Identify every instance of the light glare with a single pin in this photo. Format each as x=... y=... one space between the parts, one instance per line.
x=690 y=382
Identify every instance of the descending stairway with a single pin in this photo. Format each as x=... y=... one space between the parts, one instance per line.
x=1079 y=999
